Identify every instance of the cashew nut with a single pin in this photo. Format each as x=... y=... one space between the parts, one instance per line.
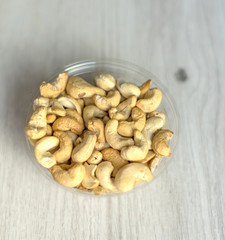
x=105 y=81
x=41 y=102
x=113 y=156
x=53 y=90
x=79 y=88
x=51 y=118
x=126 y=128
x=122 y=111
x=84 y=150
x=97 y=126
x=127 y=89
x=68 y=175
x=49 y=130
x=103 y=173
x=37 y=125
x=132 y=174
x=154 y=163
x=105 y=103
x=157 y=114
x=144 y=88
x=152 y=125
x=150 y=155
x=69 y=102
x=159 y=142
x=92 y=111
x=90 y=181
x=95 y=158
x=138 y=151
x=113 y=138
x=42 y=151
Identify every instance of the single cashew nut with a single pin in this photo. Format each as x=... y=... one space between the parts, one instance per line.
x=105 y=81
x=113 y=156
x=103 y=173
x=127 y=89
x=90 y=181
x=41 y=102
x=68 y=175
x=92 y=111
x=69 y=102
x=79 y=88
x=53 y=90
x=144 y=88
x=132 y=174
x=154 y=163
x=42 y=151
x=97 y=126
x=84 y=150
x=127 y=128
x=51 y=118
x=122 y=111
x=105 y=103
x=159 y=142
x=36 y=126
x=138 y=151
x=95 y=158
x=49 y=130
x=113 y=138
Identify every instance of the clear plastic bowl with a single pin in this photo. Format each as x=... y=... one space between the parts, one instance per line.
x=118 y=68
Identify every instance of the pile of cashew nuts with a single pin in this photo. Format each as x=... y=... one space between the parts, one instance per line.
x=102 y=139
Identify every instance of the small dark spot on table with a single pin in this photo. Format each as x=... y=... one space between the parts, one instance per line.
x=181 y=75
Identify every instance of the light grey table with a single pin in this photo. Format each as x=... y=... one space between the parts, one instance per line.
x=188 y=200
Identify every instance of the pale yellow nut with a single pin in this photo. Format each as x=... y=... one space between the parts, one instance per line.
x=49 y=130
x=127 y=89
x=144 y=88
x=51 y=118
x=154 y=163
x=95 y=158
x=105 y=81
x=70 y=102
x=90 y=181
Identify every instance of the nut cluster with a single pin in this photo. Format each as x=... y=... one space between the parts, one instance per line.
x=104 y=138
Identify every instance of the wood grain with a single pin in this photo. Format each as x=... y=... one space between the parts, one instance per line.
x=188 y=200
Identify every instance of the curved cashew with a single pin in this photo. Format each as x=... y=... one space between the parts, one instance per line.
x=69 y=102
x=36 y=127
x=127 y=89
x=90 y=181
x=97 y=126
x=151 y=100
x=105 y=103
x=63 y=154
x=144 y=88
x=113 y=156
x=122 y=111
x=42 y=151
x=95 y=158
x=152 y=125
x=154 y=163
x=49 y=130
x=79 y=88
x=51 y=118
x=105 y=81
x=126 y=128
x=92 y=111
x=84 y=150
x=68 y=175
x=72 y=135
x=53 y=90
x=138 y=151
x=132 y=174
x=159 y=142
x=113 y=138
x=103 y=173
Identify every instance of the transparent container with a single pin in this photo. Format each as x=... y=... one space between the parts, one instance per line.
x=133 y=73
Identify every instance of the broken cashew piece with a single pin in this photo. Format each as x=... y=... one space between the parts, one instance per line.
x=132 y=174
x=103 y=173
x=97 y=126
x=84 y=150
x=69 y=102
x=105 y=81
x=90 y=181
x=144 y=88
x=159 y=142
x=92 y=111
x=127 y=89
x=79 y=88
x=42 y=151
x=37 y=124
x=95 y=158
x=122 y=111
x=68 y=175
x=105 y=103
x=126 y=128
x=138 y=151
x=113 y=138
x=53 y=90
x=113 y=156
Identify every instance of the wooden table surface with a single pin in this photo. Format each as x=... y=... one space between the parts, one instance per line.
x=181 y=42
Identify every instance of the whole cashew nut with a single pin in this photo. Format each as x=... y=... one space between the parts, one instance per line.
x=53 y=90
x=151 y=100
x=144 y=88
x=113 y=138
x=69 y=102
x=42 y=151
x=68 y=175
x=127 y=89
x=90 y=181
x=105 y=81
x=132 y=174
x=92 y=111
